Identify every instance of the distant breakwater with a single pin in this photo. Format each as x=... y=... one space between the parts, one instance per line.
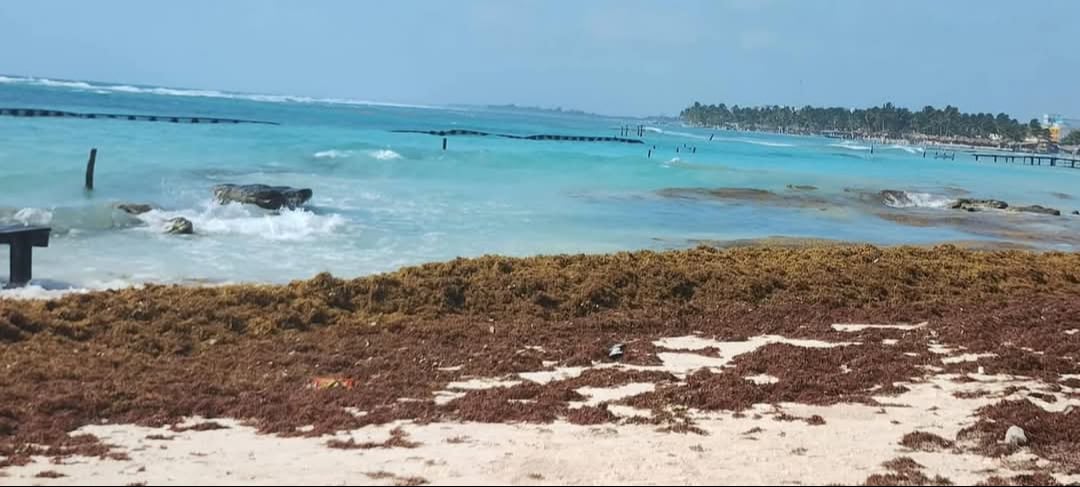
x=477 y=133
x=35 y=112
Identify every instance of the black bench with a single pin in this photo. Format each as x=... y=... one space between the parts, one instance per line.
x=22 y=240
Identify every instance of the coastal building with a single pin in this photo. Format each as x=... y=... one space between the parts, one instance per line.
x=1055 y=124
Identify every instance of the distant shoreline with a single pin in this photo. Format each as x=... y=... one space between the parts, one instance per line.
x=928 y=144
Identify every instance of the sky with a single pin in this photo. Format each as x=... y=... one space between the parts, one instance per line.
x=619 y=57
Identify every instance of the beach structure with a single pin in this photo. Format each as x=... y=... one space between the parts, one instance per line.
x=22 y=239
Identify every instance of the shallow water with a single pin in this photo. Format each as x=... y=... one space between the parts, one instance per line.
x=383 y=199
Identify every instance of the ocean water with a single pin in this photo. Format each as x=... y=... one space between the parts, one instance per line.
x=383 y=200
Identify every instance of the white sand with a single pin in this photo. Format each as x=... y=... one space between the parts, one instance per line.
x=966 y=357
x=481 y=383
x=854 y=327
x=851 y=445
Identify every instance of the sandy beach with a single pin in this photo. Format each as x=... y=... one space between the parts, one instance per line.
x=827 y=364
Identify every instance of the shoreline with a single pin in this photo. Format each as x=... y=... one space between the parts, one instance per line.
x=926 y=144
x=486 y=369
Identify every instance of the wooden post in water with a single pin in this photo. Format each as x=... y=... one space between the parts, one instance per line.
x=444 y=143
x=90 y=170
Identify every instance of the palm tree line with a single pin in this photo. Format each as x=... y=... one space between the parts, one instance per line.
x=884 y=121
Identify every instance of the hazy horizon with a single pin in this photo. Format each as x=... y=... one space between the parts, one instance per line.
x=639 y=58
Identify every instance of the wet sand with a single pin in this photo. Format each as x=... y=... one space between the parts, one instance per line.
x=759 y=365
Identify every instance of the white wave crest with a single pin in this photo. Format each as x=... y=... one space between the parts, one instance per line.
x=107 y=88
x=765 y=143
x=850 y=146
x=237 y=219
x=65 y=84
x=332 y=154
x=36 y=291
x=906 y=148
x=33 y=216
x=384 y=154
x=686 y=134
x=912 y=199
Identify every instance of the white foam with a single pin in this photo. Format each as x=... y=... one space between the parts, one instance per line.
x=906 y=148
x=332 y=154
x=38 y=292
x=236 y=219
x=919 y=200
x=65 y=84
x=384 y=154
x=851 y=146
x=33 y=216
x=764 y=143
x=106 y=88
x=676 y=133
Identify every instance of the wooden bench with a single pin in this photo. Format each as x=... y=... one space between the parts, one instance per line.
x=22 y=239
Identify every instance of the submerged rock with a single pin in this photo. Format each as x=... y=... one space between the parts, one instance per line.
x=179 y=226
x=802 y=187
x=1038 y=209
x=976 y=205
x=895 y=198
x=747 y=194
x=134 y=208
x=263 y=196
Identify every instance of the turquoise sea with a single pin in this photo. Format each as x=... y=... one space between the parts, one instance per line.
x=383 y=200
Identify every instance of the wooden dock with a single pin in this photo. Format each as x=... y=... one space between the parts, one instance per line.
x=22 y=240
x=1030 y=159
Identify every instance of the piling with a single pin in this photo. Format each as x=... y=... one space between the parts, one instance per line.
x=90 y=170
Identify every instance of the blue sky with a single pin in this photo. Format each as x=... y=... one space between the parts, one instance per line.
x=627 y=57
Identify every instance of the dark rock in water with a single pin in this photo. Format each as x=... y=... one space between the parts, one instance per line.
x=263 y=196
x=802 y=187
x=1076 y=212
x=1064 y=196
x=895 y=197
x=179 y=226
x=134 y=208
x=976 y=205
x=1042 y=210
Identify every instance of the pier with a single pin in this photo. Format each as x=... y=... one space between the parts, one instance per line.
x=1030 y=159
